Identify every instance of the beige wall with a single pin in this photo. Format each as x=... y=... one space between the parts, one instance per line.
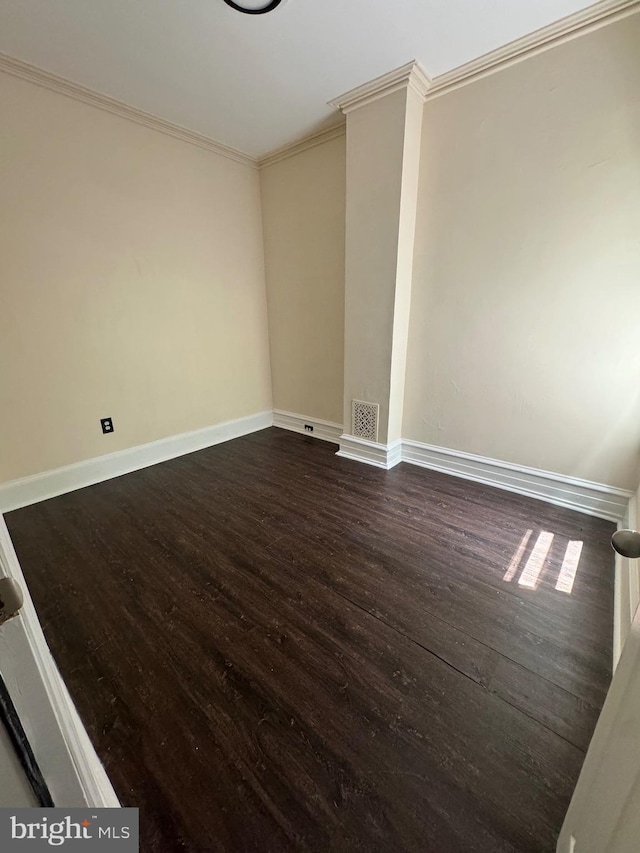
x=526 y=295
x=131 y=284
x=303 y=209
x=132 y=274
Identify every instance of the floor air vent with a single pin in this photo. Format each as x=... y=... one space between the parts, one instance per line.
x=364 y=418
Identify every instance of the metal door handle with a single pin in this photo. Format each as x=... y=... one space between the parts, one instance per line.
x=11 y=599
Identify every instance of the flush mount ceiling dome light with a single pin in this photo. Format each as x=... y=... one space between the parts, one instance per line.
x=254 y=7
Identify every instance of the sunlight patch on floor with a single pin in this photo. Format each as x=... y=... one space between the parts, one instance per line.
x=514 y=565
x=534 y=566
x=535 y=563
x=569 y=567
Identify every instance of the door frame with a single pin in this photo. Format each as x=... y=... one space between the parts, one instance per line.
x=611 y=770
x=62 y=748
x=627 y=585
x=605 y=796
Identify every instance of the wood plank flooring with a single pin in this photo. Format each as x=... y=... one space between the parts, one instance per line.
x=274 y=649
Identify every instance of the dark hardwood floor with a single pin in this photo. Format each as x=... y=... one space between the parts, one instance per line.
x=274 y=649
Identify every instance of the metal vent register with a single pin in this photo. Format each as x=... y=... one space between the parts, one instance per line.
x=364 y=420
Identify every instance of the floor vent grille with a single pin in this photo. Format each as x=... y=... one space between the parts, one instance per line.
x=364 y=417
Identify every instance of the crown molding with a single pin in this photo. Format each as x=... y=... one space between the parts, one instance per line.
x=580 y=23
x=413 y=76
x=303 y=144
x=33 y=74
x=410 y=76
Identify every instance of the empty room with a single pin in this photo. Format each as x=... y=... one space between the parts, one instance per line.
x=320 y=425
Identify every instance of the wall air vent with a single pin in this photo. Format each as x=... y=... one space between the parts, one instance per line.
x=364 y=420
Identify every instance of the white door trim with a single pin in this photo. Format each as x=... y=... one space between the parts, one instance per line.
x=627 y=587
x=603 y=815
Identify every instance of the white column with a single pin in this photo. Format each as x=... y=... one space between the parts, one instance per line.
x=384 y=127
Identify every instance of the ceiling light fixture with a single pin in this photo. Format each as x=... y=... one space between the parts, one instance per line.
x=260 y=9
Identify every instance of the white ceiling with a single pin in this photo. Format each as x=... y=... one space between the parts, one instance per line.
x=256 y=82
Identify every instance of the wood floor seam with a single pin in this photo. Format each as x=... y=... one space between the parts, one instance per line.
x=479 y=683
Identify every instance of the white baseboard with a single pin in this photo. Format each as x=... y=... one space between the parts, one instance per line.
x=580 y=495
x=370 y=452
x=326 y=430
x=39 y=487
x=66 y=757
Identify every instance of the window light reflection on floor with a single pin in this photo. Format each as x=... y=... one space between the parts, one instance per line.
x=535 y=564
x=569 y=567
x=514 y=565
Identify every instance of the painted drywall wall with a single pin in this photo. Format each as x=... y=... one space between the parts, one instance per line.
x=131 y=284
x=303 y=211
x=523 y=342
